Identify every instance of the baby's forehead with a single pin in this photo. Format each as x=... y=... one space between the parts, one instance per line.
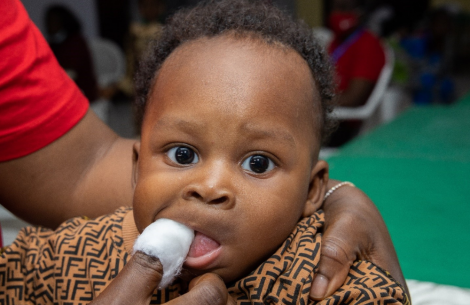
x=231 y=56
x=239 y=73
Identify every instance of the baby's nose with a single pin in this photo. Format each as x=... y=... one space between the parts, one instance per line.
x=211 y=186
x=207 y=195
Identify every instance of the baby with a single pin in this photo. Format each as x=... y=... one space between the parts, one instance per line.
x=234 y=99
x=229 y=147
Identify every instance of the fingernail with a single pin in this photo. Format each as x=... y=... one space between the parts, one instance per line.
x=319 y=286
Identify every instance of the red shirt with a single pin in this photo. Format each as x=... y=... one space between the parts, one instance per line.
x=38 y=101
x=364 y=59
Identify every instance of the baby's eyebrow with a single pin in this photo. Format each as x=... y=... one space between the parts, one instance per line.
x=252 y=131
x=181 y=124
x=275 y=133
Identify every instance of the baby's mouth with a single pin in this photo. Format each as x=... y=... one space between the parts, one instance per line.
x=202 y=245
x=203 y=252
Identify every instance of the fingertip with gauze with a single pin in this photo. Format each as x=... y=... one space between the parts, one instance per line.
x=169 y=241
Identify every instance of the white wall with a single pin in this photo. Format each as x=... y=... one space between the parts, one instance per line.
x=85 y=10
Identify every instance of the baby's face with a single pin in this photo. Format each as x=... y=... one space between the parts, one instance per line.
x=228 y=148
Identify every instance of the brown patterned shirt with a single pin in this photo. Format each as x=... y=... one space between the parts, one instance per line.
x=75 y=263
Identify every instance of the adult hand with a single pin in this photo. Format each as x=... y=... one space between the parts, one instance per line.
x=354 y=230
x=207 y=289
x=140 y=277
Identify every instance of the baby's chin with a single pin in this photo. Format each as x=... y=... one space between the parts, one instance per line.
x=229 y=274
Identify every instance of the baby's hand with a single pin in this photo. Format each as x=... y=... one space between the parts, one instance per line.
x=137 y=281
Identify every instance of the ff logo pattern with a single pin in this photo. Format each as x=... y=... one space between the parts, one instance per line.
x=75 y=263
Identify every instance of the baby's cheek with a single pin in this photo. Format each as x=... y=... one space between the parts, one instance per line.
x=266 y=240
x=142 y=208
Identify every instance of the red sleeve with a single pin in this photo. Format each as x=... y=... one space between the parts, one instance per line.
x=38 y=101
x=369 y=59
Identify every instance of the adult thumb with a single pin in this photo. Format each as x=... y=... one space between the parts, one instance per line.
x=135 y=283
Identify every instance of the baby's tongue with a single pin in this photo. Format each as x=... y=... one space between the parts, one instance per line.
x=201 y=245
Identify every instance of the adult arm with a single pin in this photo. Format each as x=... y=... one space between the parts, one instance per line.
x=354 y=230
x=357 y=93
x=359 y=70
x=90 y=164
x=55 y=156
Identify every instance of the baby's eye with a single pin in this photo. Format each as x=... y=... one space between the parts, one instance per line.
x=258 y=164
x=182 y=155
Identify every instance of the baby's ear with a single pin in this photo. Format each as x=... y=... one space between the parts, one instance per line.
x=317 y=188
x=135 y=158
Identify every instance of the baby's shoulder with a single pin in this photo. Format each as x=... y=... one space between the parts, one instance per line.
x=85 y=233
x=78 y=232
x=70 y=264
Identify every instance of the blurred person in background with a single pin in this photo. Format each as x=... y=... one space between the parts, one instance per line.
x=431 y=54
x=71 y=49
x=423 y=40
x=358 y=57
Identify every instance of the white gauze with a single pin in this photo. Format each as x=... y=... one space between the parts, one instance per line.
x=169 y=241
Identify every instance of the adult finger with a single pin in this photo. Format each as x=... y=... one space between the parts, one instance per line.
x=135 y=284
x=208 y=289
x=333 y=268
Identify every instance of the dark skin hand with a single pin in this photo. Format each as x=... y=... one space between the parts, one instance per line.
x=137 y=281
x=354 y=230
x=61 y=181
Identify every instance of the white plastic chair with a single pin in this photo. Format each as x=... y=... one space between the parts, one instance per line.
x=109 y=61
x=323 y=35
x=110 y=67
x=376 y=97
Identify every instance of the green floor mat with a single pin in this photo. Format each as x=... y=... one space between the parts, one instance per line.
x=416 y=169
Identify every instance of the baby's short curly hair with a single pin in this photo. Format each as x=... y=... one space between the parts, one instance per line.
x=245 y=18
